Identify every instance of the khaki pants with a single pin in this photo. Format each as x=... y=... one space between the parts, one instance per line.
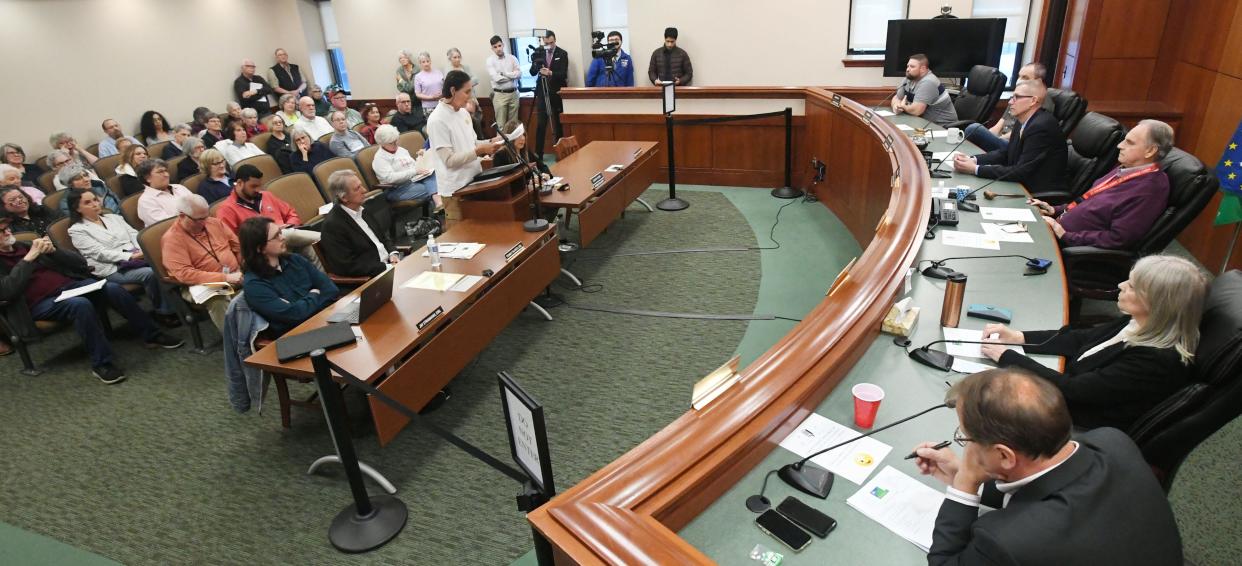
x=216 y=307
x=506 y=106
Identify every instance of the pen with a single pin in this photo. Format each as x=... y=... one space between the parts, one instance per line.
x=942 y=445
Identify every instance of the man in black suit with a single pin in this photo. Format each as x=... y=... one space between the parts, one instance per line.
x=251 y=90
x=356 y=244
x=551 y=65
x=1092 y=500
x=1036 y=155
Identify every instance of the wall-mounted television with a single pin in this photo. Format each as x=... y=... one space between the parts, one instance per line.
x=952 y=45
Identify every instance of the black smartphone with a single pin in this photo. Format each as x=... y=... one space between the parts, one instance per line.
x=806 y=516
x=783 y=529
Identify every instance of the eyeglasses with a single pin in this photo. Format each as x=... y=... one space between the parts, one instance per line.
x=280 y=235
x=1021 y=96
x=959 y=439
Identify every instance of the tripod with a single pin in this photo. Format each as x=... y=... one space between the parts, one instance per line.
x=553 y=118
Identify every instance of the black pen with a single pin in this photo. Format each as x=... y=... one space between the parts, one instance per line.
x=942 y=445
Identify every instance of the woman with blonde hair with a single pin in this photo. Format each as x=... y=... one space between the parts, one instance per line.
x=216 y=182
x=288 y=111
x=131 y=156
x=1116 y=372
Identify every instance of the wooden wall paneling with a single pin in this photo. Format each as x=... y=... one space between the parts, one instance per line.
x=819 y=124
x=1188 y=87
x=1130 y=29
x=1231 y=57
x=1081 y=18
x=753 y=148
x=586 y=133
x=1119 y=79
x=1206 y=30
x=1203 y=239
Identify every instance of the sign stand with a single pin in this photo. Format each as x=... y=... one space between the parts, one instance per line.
x=672 y=203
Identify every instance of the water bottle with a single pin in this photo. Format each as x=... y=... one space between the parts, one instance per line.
x=433 y=249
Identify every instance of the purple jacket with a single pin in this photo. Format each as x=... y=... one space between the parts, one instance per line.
x=1117 y=218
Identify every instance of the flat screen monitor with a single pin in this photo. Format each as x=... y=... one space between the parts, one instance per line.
x=952 y=45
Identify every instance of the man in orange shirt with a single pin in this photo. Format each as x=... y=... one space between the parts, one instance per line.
x=200 y=249
x=249 y=200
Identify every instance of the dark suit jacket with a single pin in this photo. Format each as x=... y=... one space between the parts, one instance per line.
x=14 y=279
x=560 y=74
x=348 y=249
x=1036 y=156
x=1113 y=387
x=259 y=100
x=1100 y=507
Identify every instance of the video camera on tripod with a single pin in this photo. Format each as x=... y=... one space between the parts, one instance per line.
x=601 y=50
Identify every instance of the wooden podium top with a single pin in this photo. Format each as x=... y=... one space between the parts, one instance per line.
x=502 y=181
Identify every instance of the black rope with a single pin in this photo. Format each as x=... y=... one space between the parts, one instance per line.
x=718 y=119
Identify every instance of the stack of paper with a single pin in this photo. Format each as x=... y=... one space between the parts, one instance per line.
x=885 y=113
x=461 y=250
x=968 y=350
x=1011 y=232
x=433 y=281
x=1006 y=214
x=901 y=504
x=969 y=240
x=79 y=291
x=854 y=461
x=200 y=293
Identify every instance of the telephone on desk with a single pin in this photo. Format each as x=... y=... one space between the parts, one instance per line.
x=944 y=212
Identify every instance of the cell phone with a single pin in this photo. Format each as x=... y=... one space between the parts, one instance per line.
x=783 y=529
x=807 y=517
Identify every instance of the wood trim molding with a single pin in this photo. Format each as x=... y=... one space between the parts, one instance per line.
x=628 y=511
x=851 y=61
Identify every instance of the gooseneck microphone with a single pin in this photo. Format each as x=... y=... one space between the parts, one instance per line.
x=937 y=173
x=937 y=270
x=814 y=480
x=972 y=207
x=944 y=362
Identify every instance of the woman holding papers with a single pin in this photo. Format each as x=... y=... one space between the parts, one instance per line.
x=1116 y=372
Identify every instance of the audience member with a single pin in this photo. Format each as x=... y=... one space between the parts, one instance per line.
x=213 y=132
x=112 y=129
x=1056 y=500
x=15 y=156
x=248 y=200
x=307 y=153
x=314 y=125
x=921 y=94
x=354 y=243
x=59 y=159
x=74 y=177
x=455 y=149
x=199 y=119
x=503 y=69
x=181 y=132
x=1121 y=207
x=427 y=83
x=406 y=71
x=154 y=128
x=285 y=289
x=123 y=143
x=552 y=67
x=38 y=273
x=670 y=63
x=11 y=177
x=66 y=141
x=997 y=137
x=199 y=249
x=455 y=64
x=345 y=142
x=233 y=113
x=395 y=166
x=159 y=198
x=407 y=119
x=192 y=148
x=24 y=214
x=216 y=183
x=238 y=146
x=1036 y=155
x=504 y=157
x=340 y=102
x=371 y=119
x=280 y=146
x=127 y=169
x=1116 y=372
x=288 y=112
x=110 y=248
x=321 y=106
x=250 y=119
x=616 y=71
x=251 y=90
x=285 y=77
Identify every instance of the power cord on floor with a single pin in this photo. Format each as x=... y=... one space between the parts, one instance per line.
x=772 y=232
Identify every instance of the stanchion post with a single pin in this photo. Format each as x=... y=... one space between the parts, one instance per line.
x=370 y=521
x=788 y=191
x=672 y=203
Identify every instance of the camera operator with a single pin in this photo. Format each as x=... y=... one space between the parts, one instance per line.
x=611 y=65
x=670 y=63
x=551 y=65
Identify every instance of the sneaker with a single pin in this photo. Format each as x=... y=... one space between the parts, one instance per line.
x=165 y=341
x=108 y=373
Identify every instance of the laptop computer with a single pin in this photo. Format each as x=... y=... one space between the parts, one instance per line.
x=373 y=297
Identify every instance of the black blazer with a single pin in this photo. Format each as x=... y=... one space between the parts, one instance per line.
x=1113 y=387
x=187 y=168
x=280 y=150
x=14 y=279
x=560 y=74
x=170 y=151
x=1102 y=506
x=130 y=185
x=317 y=154
x=259 y=101
x=1036 y=156
x=348 y=249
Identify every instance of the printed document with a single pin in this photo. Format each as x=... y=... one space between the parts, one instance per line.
x=968 y=350
x=901 y=504
x=1006 y=214
x=969 y=240
x=854 y=461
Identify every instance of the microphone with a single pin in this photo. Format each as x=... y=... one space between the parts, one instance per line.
x=937 y=173
x=814 y=480
x=937 y=270
x=944 y=362
x=972 y=207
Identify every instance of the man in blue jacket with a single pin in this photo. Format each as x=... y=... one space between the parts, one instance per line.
x=622 y=67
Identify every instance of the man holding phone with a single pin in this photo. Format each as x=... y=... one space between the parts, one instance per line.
x=1057 y=500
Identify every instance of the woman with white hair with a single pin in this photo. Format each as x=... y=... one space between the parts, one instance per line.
x=66 y=141
x=1116 y=372
x=307 y=152
x=15 y=156
x=250 y=117
x=10 y=176
x=192 y=148
x=406 y=71
x=428 y=83
x=59 y=159
x=288 y=111
x=73 y=176
x=395 y=166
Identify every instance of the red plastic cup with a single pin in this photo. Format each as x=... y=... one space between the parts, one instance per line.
x=867 y=397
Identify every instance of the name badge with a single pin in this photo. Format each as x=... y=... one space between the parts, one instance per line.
x=427 y=320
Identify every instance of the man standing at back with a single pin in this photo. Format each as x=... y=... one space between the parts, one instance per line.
x=921 y=94
x=1091 y=500
x=252 y=90
x=1036 y=154
x=504 y=72
x=551 y=65
x=285 y=77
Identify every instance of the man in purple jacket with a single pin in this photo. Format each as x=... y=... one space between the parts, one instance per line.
x=1123 y=204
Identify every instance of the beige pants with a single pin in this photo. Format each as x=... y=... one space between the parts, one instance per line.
x=216 y=307
x=506 y=106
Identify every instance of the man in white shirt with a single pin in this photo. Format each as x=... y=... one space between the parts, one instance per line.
x=1092 y=500
x=504 y=71
x=354 y=244
x=315 y=126
x=107 y=146
x=455 y=150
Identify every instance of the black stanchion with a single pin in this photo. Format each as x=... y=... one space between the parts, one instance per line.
x=672 y=203
x=788 y=191
x=371 y=521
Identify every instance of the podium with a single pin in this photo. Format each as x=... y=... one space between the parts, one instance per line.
x=505 y=198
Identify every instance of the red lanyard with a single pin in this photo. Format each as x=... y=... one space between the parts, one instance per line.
x=1116 y=180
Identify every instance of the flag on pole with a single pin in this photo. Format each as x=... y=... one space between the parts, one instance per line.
x=1229 y=171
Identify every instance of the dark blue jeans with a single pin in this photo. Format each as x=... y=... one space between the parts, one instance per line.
x=81 y=312
x=982 y=137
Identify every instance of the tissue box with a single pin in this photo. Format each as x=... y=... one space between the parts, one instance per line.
x=898 y=323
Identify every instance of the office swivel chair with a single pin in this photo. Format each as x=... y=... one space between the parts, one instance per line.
x=983 y=90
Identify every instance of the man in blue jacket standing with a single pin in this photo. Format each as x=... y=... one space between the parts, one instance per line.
x=622 y=72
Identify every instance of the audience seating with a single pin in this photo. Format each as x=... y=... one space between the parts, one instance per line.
x=193 y=181
x=93 y=149
x=1094 y=273
x=330 y=166
x=324 y=139
x=46 y=182
x=1093 y=151
x=1170 y=432
x=265 y=163
x=22 y=330
x=156 y=150
x=211 y=210
x=150 y=241
x=366 y=159
x=359 y=126
x=1068 y=108
x=52 y=200
x=412 y=142
x=129 y=209
x=114 y=184
x=59 y=233
x=984 y=86
x=105 y=167
x=299 y=190
x=565 y=147
x=260 y=140
x=172 y=167
x=343 y=281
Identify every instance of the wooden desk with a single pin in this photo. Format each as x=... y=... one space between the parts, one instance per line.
x=597 y=208
x=426 y=360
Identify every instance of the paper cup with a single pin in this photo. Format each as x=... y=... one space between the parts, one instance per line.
x=867 y=397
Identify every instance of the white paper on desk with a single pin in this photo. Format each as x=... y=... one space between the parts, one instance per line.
x=904 y=128
x=79 y=291
x=854 y=461
x=968 y=350
x=465 y=283
x=943 y=155
x=1006 y=233
x=885 y=113
x=461 y=250
x=940 y=192
x=433 y=281
x=900 y=504
x=967 y=366
x=1006 y=214
x=940 y=134
x=969 y=240
x=614 y=168
x=554 y=181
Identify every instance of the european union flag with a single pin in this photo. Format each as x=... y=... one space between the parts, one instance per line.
x=1229 y=171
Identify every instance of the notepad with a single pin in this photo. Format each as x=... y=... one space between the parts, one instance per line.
x=433 y=281
x=969 y=240
x=1006 y=214
x=885 y=113
x=854 y=461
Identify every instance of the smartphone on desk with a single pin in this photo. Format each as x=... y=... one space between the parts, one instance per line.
x=806 y=516
x=783 y=529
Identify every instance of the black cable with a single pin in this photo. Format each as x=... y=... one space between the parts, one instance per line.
x=772 y=232
x=787 y=318
x=931 y=228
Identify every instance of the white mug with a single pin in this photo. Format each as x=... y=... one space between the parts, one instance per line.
x=955 y=135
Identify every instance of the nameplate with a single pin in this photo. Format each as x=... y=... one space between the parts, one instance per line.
x=427 y=320
x=888 y=143
x=637 y=151
x=836 y=100
x=597 y=180
x=867 y=116
x=514 y=251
